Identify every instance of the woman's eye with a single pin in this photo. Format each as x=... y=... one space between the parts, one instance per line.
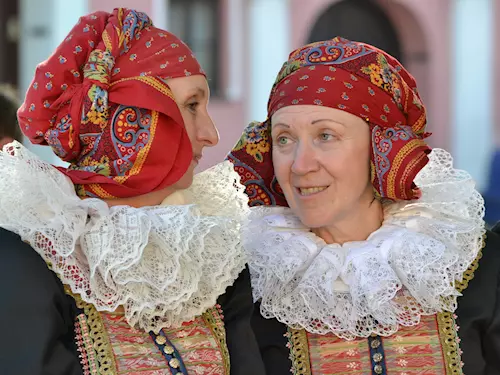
x=326 y=137
x=193 y=106
x=282 y=140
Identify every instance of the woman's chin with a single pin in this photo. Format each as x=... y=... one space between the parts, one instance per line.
x=312 y=221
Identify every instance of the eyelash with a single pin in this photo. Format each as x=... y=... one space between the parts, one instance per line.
x=192 y=106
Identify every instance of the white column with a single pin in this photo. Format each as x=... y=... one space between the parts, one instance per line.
x=472 y=71
x=35 y=42
x=159 y=13
x=66 y=15
x=235 y=41
x=44 y=24
x=268 y=49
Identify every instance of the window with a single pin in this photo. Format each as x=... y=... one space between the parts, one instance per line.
x=359 y=20
x=196 y=22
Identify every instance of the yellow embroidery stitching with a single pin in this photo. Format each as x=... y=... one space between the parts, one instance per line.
x=99 y=336
x=299 y=352
x=449 y=344
x=396 y=164
x=215 y=322
x=151 y=81
x=100 y=192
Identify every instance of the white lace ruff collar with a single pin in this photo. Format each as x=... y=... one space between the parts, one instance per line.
x=404 y=270
x=165 y=265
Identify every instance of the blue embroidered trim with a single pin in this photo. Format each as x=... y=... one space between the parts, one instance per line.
x=169 y=351
x=377 y=355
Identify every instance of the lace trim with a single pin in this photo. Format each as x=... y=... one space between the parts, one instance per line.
x=165 y=265
x=299 y=351
x=98 y=335
x=214 y=319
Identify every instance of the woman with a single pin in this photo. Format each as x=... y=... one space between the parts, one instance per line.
x=368 y=239
x=143 y=252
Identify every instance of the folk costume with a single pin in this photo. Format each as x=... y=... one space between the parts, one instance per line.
x=421 y=294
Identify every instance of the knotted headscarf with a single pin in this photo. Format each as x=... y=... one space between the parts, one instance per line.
x=356 y=78
x=102 y=103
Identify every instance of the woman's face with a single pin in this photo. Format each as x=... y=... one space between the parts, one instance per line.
x=321 y=158
x=192 y=95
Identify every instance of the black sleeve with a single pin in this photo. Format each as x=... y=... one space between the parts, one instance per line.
x=237 y=305
x=479 y=314
x=496 y=228
x=273 y=343
x=36 y=317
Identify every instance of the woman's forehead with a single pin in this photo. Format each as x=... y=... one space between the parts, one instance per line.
x=299 y=114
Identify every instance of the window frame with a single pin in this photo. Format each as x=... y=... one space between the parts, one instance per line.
x=214 y=77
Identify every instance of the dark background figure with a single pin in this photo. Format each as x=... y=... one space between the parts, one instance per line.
x=492 y=193
x=9 y=128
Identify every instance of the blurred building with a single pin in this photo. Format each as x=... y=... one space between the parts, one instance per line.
x=448 y=45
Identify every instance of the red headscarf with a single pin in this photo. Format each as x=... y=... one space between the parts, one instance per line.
x=356 y=78
x=102 y=103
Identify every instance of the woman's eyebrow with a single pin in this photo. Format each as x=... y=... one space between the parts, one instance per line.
x=326 y=119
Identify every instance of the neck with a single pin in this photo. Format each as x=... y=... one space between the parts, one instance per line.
x=150 y=199
x=355 y=227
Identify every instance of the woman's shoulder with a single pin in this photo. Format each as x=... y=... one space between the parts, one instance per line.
x=483 y=275
x=34 y=305
x=478 y=309
x=26 y=280
x=494 y=234
x=21 y=263
x=490 y=255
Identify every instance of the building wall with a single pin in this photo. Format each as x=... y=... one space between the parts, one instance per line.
x=472 y=86
x=108 y=5
x=496 y=78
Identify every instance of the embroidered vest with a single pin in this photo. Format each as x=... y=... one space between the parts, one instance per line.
x=431 y=348
x=109 y=346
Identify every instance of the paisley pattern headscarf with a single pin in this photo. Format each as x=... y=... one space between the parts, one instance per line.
x=102 y=103
x=356 y=78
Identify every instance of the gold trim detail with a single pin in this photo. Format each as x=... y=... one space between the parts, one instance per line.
x=213 y=319
x=299 y=351
x=100 y=192
x=151 y=81
x=98 y=335
x=448 y=336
